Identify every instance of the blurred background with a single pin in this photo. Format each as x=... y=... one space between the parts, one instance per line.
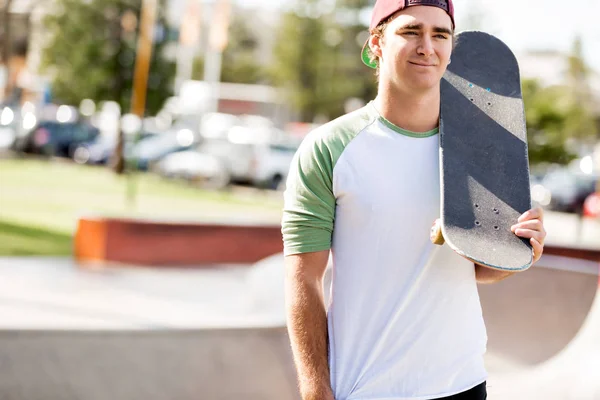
x=144 y=147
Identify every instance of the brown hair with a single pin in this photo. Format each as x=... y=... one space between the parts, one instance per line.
x=378 y=31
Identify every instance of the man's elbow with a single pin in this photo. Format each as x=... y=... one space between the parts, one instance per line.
x=488 y=276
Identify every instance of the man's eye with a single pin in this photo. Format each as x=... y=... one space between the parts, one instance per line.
x=441 y=36
x=410 y=33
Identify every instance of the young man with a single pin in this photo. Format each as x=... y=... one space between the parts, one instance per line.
x=404 y=320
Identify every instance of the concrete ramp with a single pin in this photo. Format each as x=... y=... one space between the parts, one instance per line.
x=136 y=333
x=175 y=365
x=544 y=332
x=132 y=333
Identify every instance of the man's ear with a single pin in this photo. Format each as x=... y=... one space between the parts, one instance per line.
x=375 y=42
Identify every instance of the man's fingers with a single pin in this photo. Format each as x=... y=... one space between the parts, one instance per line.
x=535 y=213
x=529 y=234
x=535 y=225
x=538 y=249
x=531 y=226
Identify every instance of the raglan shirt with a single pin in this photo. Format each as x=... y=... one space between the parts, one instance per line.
x=404 y=316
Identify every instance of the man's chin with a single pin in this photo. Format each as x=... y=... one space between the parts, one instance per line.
x=421 y=84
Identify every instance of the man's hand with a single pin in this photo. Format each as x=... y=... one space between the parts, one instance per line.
x=530 y=225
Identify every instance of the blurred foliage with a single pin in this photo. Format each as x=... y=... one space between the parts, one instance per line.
x=561 y=115
x=581 y=125
x=239 y=63
x=317 y=59
x=91 y=53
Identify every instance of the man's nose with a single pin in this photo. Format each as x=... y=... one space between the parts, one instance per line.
x=425 y=47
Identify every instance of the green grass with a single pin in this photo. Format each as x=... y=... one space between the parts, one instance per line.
x=16 y=240
x=48 y=197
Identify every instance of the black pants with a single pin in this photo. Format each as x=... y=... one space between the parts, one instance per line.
x=479 y=392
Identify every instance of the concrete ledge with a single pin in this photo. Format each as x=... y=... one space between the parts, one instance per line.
x=142 y=242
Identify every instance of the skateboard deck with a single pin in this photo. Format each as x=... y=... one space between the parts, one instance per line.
x=484 y=166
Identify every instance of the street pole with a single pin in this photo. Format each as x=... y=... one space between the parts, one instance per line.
x=144 y=54
x=140 y=85
x=189 y=36
x=218 y=41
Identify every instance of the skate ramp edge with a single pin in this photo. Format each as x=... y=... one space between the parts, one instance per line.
x=535 y=315
x=201 y=364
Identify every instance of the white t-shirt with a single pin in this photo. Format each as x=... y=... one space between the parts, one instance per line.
x=404 y=319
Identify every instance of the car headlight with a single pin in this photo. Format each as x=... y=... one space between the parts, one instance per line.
x=29 y=121
x=7 y=116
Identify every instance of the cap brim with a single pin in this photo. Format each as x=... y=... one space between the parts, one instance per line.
x=365 y=57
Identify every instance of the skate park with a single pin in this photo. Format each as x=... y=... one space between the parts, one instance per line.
x=141 y=254
x=83 y=328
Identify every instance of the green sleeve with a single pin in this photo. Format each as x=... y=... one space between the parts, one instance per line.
x=309 y=205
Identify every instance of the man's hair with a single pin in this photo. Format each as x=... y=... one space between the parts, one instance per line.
x=379 y=32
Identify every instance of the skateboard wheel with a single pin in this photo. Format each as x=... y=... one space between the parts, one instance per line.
x=436 y=234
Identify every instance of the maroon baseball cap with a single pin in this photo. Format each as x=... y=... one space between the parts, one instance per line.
x=385 y=8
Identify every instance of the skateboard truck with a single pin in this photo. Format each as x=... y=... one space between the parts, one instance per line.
x=436 y=235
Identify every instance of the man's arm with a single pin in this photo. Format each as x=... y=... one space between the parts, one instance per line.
x=487 y=275
x=307 y=322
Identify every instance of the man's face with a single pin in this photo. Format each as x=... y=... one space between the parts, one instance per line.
x=415 y=48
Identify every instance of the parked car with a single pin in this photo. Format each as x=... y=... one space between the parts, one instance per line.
x=58 y=139
x=9 y=121
x=591 y=206
x=152 y=149
x=261 y=164
x=216 y=125
x=191 y=165
x=271 y=164
x=567 y=189
x=96 y=151
x=8 y=137
x=100 y=149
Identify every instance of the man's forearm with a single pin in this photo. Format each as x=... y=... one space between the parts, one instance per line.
x=487 y=275
x=307 y=327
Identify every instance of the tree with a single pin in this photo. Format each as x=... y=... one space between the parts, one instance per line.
x=546 y=115
x=91 y=53
x=560 y=118
x=6 y=34
x=362 y=82
x=299 y=68
x=239 y=58
x=6 y=43
x=580 y=124
x=317 y=60
x=239 y=63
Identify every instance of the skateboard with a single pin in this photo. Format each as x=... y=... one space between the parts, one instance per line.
x=484 y=165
